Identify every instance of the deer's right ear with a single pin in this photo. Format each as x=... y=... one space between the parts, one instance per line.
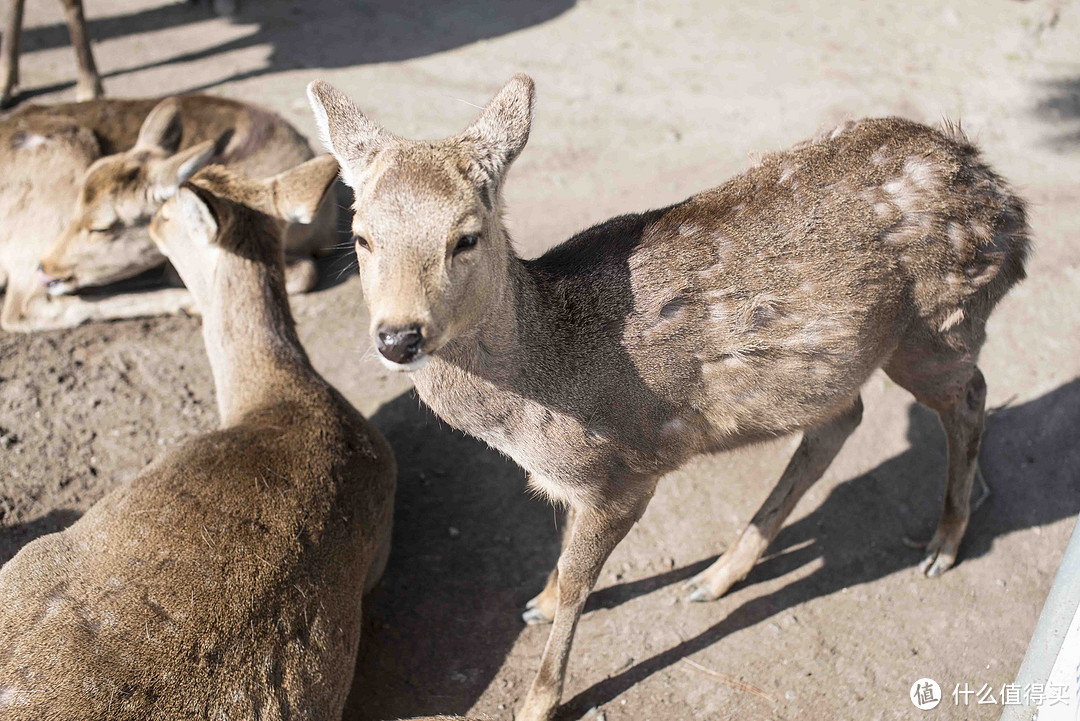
x=345 y=131
x=162 y=130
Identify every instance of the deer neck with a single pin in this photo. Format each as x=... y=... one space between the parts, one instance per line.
x=251 y=340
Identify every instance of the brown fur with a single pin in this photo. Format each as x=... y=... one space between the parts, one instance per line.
x=748 y=311
x=146 y=149
x=224 y=581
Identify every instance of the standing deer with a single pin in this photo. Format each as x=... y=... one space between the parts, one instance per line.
x=225 y=580
x=753 y=310
x=88 y=86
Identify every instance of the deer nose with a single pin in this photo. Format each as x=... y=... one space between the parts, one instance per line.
x=44 y=278
x=400 y=345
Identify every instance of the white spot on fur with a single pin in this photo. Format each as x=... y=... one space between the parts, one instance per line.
x=687 y=229
x=956 y=317
x=54 y=605
x=786 y=171
x=879 y=157
x=920 y=172
x=676 y=426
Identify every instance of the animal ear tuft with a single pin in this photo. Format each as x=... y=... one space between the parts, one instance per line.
x=298 y=192
x=162 y=129
x=501 y=131
x=345 y=131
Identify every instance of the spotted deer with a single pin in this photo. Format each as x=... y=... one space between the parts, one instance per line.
x=225 y=580
x=750 y=311
x=128 y=156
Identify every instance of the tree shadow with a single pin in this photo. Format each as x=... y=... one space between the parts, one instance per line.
x=466 y=549
x=1030 y=457
x=13 y=538
x=322 y=33
x=1061 y=107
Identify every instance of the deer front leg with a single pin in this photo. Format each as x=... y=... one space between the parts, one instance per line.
x=29 y=313
x=816 y=451
x=12 y=45
x=592 y=538
x=541 y=608
x=89 y=84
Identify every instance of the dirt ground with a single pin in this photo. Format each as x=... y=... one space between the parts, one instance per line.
x=640 y=104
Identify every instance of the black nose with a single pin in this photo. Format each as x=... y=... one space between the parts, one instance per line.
x=399 y=345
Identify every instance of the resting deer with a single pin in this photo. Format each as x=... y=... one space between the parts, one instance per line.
x=752 y=310
x=89 y=82
x=225 y=580
x=141 y=151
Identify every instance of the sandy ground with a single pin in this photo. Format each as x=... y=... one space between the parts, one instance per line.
x=640 y=104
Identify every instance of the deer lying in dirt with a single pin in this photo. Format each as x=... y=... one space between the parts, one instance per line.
x=89 y=82
x=83 y=218
x=225 y=580
x=750 y=311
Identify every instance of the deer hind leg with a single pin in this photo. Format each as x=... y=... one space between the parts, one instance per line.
x=88 y=86
x=950 y=383
x=816 y=451
x=11 y=46
x=541 y=608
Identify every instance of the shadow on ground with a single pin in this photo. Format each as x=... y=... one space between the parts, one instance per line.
x=13 y=538
x=1030 y=458
x=1060 y=106
x=318 y=33
x=468 y=546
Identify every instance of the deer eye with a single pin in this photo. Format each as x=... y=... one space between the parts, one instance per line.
x=361 y=242
x=466 y=241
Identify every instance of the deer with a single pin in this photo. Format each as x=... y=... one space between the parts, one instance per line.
x=83 y=235
x=226 y=579
x=88 y=86
x=750 y=311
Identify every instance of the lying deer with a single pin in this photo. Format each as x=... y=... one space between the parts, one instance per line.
x=225 y=580
x=89 y=82
x=749 y=311
x=140 y=152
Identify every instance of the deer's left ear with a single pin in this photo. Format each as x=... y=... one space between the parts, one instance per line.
x=501 y=131
x=296 y=194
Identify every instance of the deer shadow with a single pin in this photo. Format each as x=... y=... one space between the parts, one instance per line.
x=1060 y=106
x=14 y=537
x=466 y=550
x=322 y=34
x=1029 y=457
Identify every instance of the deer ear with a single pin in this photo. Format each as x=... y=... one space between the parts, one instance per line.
x=501 y=131
x=172 y=172
x=198 y=218
x=345 y=131
x=162 y=129
x=298 y=192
